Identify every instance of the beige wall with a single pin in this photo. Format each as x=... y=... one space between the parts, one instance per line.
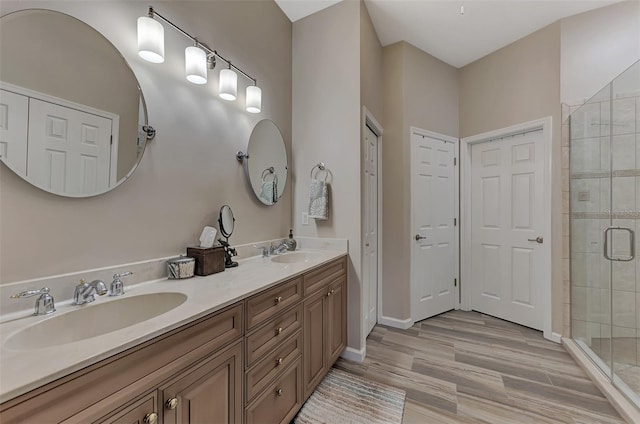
x=326 y=128
x=370 y=65
x=188 y=172
x=419 y=91
x=597 y=46
x=520 y=83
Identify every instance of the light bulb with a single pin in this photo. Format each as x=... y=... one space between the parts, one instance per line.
x=195 y=60
x=254 y=99
x=150 y=39
x=228 y=84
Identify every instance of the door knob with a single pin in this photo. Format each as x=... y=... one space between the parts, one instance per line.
x=418 y=237
x=538 y=240
x=172 y=403
x=150 y=418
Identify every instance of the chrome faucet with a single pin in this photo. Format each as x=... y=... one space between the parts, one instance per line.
x=280 y=249
x=84 y=291
x=264 y=250
x=44 y=304
x=117 y=287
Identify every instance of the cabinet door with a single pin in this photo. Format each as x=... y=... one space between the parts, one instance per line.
x=209 y=392
x=336 y=320
x=315 y=357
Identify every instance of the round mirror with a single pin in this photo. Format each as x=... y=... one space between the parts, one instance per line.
x=73 y=113
x=226 y=221
x=267 y=163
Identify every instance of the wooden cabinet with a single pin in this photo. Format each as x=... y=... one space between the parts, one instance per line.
x=209 y=392
x=255 y=361
x=325 y=322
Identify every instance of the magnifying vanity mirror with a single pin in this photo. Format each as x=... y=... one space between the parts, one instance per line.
x=227 y=222
x=266 y=162
x=75 y=121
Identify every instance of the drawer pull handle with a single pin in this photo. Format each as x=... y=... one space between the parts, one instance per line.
x=172 y=403
x=279 y=361
x=278 y=392
x=331 y=292
x=278 y=330
x=278 y=299
x=150 y=418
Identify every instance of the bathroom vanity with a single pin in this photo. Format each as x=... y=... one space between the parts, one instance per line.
x=253 y=358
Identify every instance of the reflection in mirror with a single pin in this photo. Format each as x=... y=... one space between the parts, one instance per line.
x=73 y=107
x=227 y=222
x=267 y=162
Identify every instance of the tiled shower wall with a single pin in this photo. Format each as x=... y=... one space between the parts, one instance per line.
x=604 y=296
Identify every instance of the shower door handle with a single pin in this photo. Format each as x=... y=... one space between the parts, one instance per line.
x=632 y=245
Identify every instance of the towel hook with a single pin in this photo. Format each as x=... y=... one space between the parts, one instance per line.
x=320 y=166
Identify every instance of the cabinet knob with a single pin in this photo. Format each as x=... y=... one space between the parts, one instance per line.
x=278 y=330
x=278 y=299
x=278 y=392
x=331 y=292
x=279 y=361
x=172 y=403
x=150 y=418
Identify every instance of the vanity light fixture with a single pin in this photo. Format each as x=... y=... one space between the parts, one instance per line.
x=195 y=63
x=199 y=58
x=254 y=99
x=228 y=84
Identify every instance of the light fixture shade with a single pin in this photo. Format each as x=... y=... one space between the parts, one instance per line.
x=228 y=84
x=254 y=99
x=195 y=60
x=150 y=39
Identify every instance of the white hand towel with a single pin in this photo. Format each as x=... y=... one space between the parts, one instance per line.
x=267 y=192
x=319 y=199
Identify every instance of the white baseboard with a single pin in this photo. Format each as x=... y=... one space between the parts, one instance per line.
x=354 y=355
x=396 y=323
x=555 y=337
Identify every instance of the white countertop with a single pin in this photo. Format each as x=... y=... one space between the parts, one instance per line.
x=25 y=370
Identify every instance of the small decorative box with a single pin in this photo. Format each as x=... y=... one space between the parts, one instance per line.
x=209 y=260
x=180 y=267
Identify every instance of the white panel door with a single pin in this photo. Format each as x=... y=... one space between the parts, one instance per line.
x=370 y=239
x=434 y=249
x=507 y=223
x=14 y=124
x=69 y=151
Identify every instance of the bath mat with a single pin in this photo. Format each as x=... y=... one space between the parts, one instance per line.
x=343 y=398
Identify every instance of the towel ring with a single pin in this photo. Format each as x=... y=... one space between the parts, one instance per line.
x=268 y=171
x=321 y=166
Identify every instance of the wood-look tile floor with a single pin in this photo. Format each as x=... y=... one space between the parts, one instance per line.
x=465 y=367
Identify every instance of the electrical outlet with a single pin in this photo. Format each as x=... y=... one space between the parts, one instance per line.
x=305 y=218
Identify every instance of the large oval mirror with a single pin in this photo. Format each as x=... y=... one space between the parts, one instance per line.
x=72 y=110
x=267 y=162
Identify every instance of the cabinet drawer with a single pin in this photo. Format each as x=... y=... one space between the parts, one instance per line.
x=265 y=305
x=280 y=401
x=315 y=280
x=270 y=335
x=273 y=364
x=136 y=412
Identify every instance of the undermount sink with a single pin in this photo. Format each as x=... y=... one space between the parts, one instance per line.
x=290 y=258
x=94 y=320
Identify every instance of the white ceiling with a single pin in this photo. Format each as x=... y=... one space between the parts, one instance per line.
x=438 y=27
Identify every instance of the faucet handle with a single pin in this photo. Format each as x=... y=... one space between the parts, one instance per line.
x=117 y=286
x=44 y=304
x=263 y=249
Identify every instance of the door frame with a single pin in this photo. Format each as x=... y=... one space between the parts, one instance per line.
x=456 y=207
x=368 y=120
x=544 y=124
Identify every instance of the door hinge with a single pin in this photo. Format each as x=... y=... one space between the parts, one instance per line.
x=455 y=282
x=455 y=161
x=111 y=142
x=455 y=222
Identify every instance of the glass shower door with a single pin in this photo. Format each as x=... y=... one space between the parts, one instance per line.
x=624 y=127
x=604 y=217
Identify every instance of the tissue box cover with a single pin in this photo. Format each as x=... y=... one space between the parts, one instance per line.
x=209 y=260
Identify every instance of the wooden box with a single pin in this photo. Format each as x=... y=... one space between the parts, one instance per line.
x=208 y=260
